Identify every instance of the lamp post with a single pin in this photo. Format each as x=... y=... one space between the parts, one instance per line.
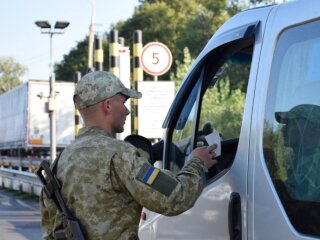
x=46 y=28
x=91 y=37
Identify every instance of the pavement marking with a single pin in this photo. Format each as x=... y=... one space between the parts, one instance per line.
x=27 y=205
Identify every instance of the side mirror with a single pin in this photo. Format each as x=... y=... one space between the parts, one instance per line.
x=142 y=143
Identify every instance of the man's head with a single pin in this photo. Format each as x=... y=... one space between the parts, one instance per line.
x=302 y=125
x=307 y=112
x=97 y=86
x=100 y=97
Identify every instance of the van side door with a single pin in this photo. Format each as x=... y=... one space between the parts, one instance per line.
x=214 y=97
x=284 y=187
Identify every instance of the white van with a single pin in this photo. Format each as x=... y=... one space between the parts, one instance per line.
x=267 y=182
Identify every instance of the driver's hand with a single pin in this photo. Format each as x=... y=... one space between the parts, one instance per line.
x=206 y=154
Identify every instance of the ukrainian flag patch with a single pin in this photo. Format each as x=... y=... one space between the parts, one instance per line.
x=151 y=175
x=148 y=174
x=156 y=179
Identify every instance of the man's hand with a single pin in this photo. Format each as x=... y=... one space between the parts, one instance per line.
x=206 y=154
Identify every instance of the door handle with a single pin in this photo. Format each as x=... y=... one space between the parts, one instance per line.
x=234 y=217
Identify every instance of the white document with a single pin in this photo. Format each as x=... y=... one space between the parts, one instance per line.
x=214 y=138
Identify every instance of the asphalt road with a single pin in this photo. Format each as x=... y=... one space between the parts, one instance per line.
x=19 y=217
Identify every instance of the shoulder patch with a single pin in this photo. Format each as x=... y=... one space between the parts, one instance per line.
x=156 y=179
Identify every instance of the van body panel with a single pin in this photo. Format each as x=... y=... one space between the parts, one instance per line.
x=209 y=216
x=267 y=217
x=262 y=214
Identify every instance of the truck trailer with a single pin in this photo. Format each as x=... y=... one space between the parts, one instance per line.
x=25 y=124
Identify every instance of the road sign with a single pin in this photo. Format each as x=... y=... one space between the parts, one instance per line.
x=153 y=106
x=156 y=58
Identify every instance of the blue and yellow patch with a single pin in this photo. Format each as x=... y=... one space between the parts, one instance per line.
x=156 y=179
x=151 y=175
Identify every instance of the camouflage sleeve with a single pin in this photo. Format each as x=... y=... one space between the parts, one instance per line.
x=159 y=190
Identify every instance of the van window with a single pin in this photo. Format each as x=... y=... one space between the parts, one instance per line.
x=292 y=125
x=215 y=103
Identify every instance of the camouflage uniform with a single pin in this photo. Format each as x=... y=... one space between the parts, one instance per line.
x=303 y=182
x=303 y=178
x=105 y=183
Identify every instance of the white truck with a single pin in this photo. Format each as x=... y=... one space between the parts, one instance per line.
x=25 y=125
x=257 y=83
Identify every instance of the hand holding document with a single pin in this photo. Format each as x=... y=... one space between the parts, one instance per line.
x=214 y=138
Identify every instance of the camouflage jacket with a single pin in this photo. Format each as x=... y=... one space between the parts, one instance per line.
x=303 y=180
x=106 y=182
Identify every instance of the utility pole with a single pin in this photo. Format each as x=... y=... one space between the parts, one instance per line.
x=98 y=54
x=91 y=38
x=76 y=79
x=114 y=52
x=137 y=73
x=46 y=28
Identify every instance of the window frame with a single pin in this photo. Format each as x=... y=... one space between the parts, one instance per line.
x=226 y=45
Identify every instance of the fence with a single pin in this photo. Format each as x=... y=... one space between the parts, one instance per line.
x=19 y=180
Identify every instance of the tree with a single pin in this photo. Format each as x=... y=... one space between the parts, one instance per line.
x=225 y=106
x=10 y=73
x=236 y=6
x=262 y=2
x=182 y=68
x=77 y=60
x=199 y=28
x=157 y=23
x=176 y=23
x=279 y=155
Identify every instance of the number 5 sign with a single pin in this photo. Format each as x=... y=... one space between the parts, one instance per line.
x=156 y=58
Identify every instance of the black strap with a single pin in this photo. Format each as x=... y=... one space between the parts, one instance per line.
x=54 y=165
x=52 y=186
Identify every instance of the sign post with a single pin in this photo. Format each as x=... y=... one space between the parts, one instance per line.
x=156 y=60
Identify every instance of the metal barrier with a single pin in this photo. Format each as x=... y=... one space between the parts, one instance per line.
x=20 y=163
x=19 y=180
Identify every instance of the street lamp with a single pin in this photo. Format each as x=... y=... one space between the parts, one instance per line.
x=91 y=37
x=46 y=28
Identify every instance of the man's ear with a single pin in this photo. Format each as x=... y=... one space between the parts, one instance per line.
x=106 y=105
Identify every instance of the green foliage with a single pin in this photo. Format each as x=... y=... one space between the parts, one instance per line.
x=262 y=2
x=10 y=74
x=223 y=103
x=220 y=105
x=77 y=60
x=236 y=6
x=181 y=69
x=224 y=106
x=278 y=156
x=156 y=22
x=176 y=23
x=239 y=74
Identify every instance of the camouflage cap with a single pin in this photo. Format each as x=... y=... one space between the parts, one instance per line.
x=97 y=86
x=308 y=112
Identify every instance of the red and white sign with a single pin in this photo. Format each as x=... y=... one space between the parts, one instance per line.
x=156 y=58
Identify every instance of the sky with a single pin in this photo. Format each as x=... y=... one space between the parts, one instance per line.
x=22 y=40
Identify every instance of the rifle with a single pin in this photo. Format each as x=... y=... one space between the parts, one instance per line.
x=51 y=187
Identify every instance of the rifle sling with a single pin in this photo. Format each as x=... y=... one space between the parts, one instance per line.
x=53 y=187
